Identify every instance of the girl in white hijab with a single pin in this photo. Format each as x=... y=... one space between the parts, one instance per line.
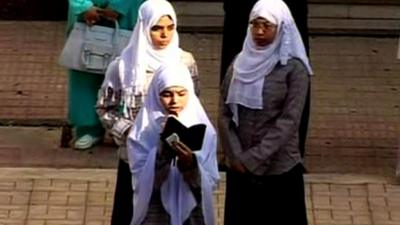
x=154 y=41
x=262 y=99
x=166 y=193
x=255 y=62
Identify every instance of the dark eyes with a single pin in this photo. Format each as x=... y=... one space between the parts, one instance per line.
x=166 y=94
x=171 y=27
x=160 y=28
x=261 y=24
x=156 y=28
x=182 y=93
x=170 y=94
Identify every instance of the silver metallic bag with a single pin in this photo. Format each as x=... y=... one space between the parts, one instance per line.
x=92 y=48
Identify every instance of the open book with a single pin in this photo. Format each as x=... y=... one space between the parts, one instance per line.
x=191 y=136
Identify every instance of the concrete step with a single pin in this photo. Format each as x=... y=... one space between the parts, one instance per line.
x=324 y=18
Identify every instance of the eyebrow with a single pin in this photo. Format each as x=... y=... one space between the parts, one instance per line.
x=155 y=27
x=159 y=26
x=178 y=91
x=183 y=90
x=260 y=21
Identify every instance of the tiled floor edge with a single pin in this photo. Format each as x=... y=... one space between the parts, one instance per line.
x=96 y=174
x=87 y=174
x=337 y=178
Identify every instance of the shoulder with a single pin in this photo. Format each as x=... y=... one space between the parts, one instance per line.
x=229 y=71
x=297 y=65
x=293 y=67
x=113 y=67
x=187 y=58
x=295 y=70
x=112 y=74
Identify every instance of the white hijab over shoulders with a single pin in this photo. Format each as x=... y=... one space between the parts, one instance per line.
x=254 y=63
x=140 y=55
x=143 y=144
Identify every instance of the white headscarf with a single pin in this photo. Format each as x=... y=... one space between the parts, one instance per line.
x=140 y=55
x=144 y=141
x=254 y=63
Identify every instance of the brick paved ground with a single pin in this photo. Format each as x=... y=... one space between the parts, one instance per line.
x=354 y=130
x=48 y=196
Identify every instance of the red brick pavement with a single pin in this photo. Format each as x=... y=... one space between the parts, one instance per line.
x=32 y=85
x=39 y=196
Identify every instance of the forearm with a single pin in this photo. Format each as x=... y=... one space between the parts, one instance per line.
x=192 y=177
x=229 y=139
x=191 y=173
x=109 y=114
x=257 y=158
x=108 y=101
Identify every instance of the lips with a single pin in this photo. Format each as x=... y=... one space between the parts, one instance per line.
x=163 y=43
x=174 y=109
x=261 y=42
x=259 y=39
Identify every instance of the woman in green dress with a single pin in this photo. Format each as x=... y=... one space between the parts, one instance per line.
x=83 y=86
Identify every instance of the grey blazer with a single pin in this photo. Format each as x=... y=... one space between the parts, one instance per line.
x=266 y=141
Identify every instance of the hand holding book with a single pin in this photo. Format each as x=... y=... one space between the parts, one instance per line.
x=192 y=136
x=184 y=154
x=180 y=141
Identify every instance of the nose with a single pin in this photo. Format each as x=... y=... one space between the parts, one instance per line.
x=259 y=30
x=174 y=99
x=164 y=33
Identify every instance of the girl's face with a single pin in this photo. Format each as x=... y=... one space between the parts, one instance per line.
x=263 y=32
x=174 y=99
x=161 y=33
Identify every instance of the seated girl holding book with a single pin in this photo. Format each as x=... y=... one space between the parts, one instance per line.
x=172 y=188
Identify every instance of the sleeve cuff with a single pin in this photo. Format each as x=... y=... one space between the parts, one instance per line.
x=120 y=127
x=253 y=165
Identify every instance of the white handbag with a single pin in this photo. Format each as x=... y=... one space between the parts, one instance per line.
x=92 y=48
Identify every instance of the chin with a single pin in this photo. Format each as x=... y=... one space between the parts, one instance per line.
x=160 y=47
x=260 y=43
x=174 y=112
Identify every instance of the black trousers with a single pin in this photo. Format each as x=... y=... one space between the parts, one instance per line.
x=260 y=200
x=122 y=211
x=235 y=27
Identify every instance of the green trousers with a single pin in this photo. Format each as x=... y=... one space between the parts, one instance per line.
x=82 y=97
